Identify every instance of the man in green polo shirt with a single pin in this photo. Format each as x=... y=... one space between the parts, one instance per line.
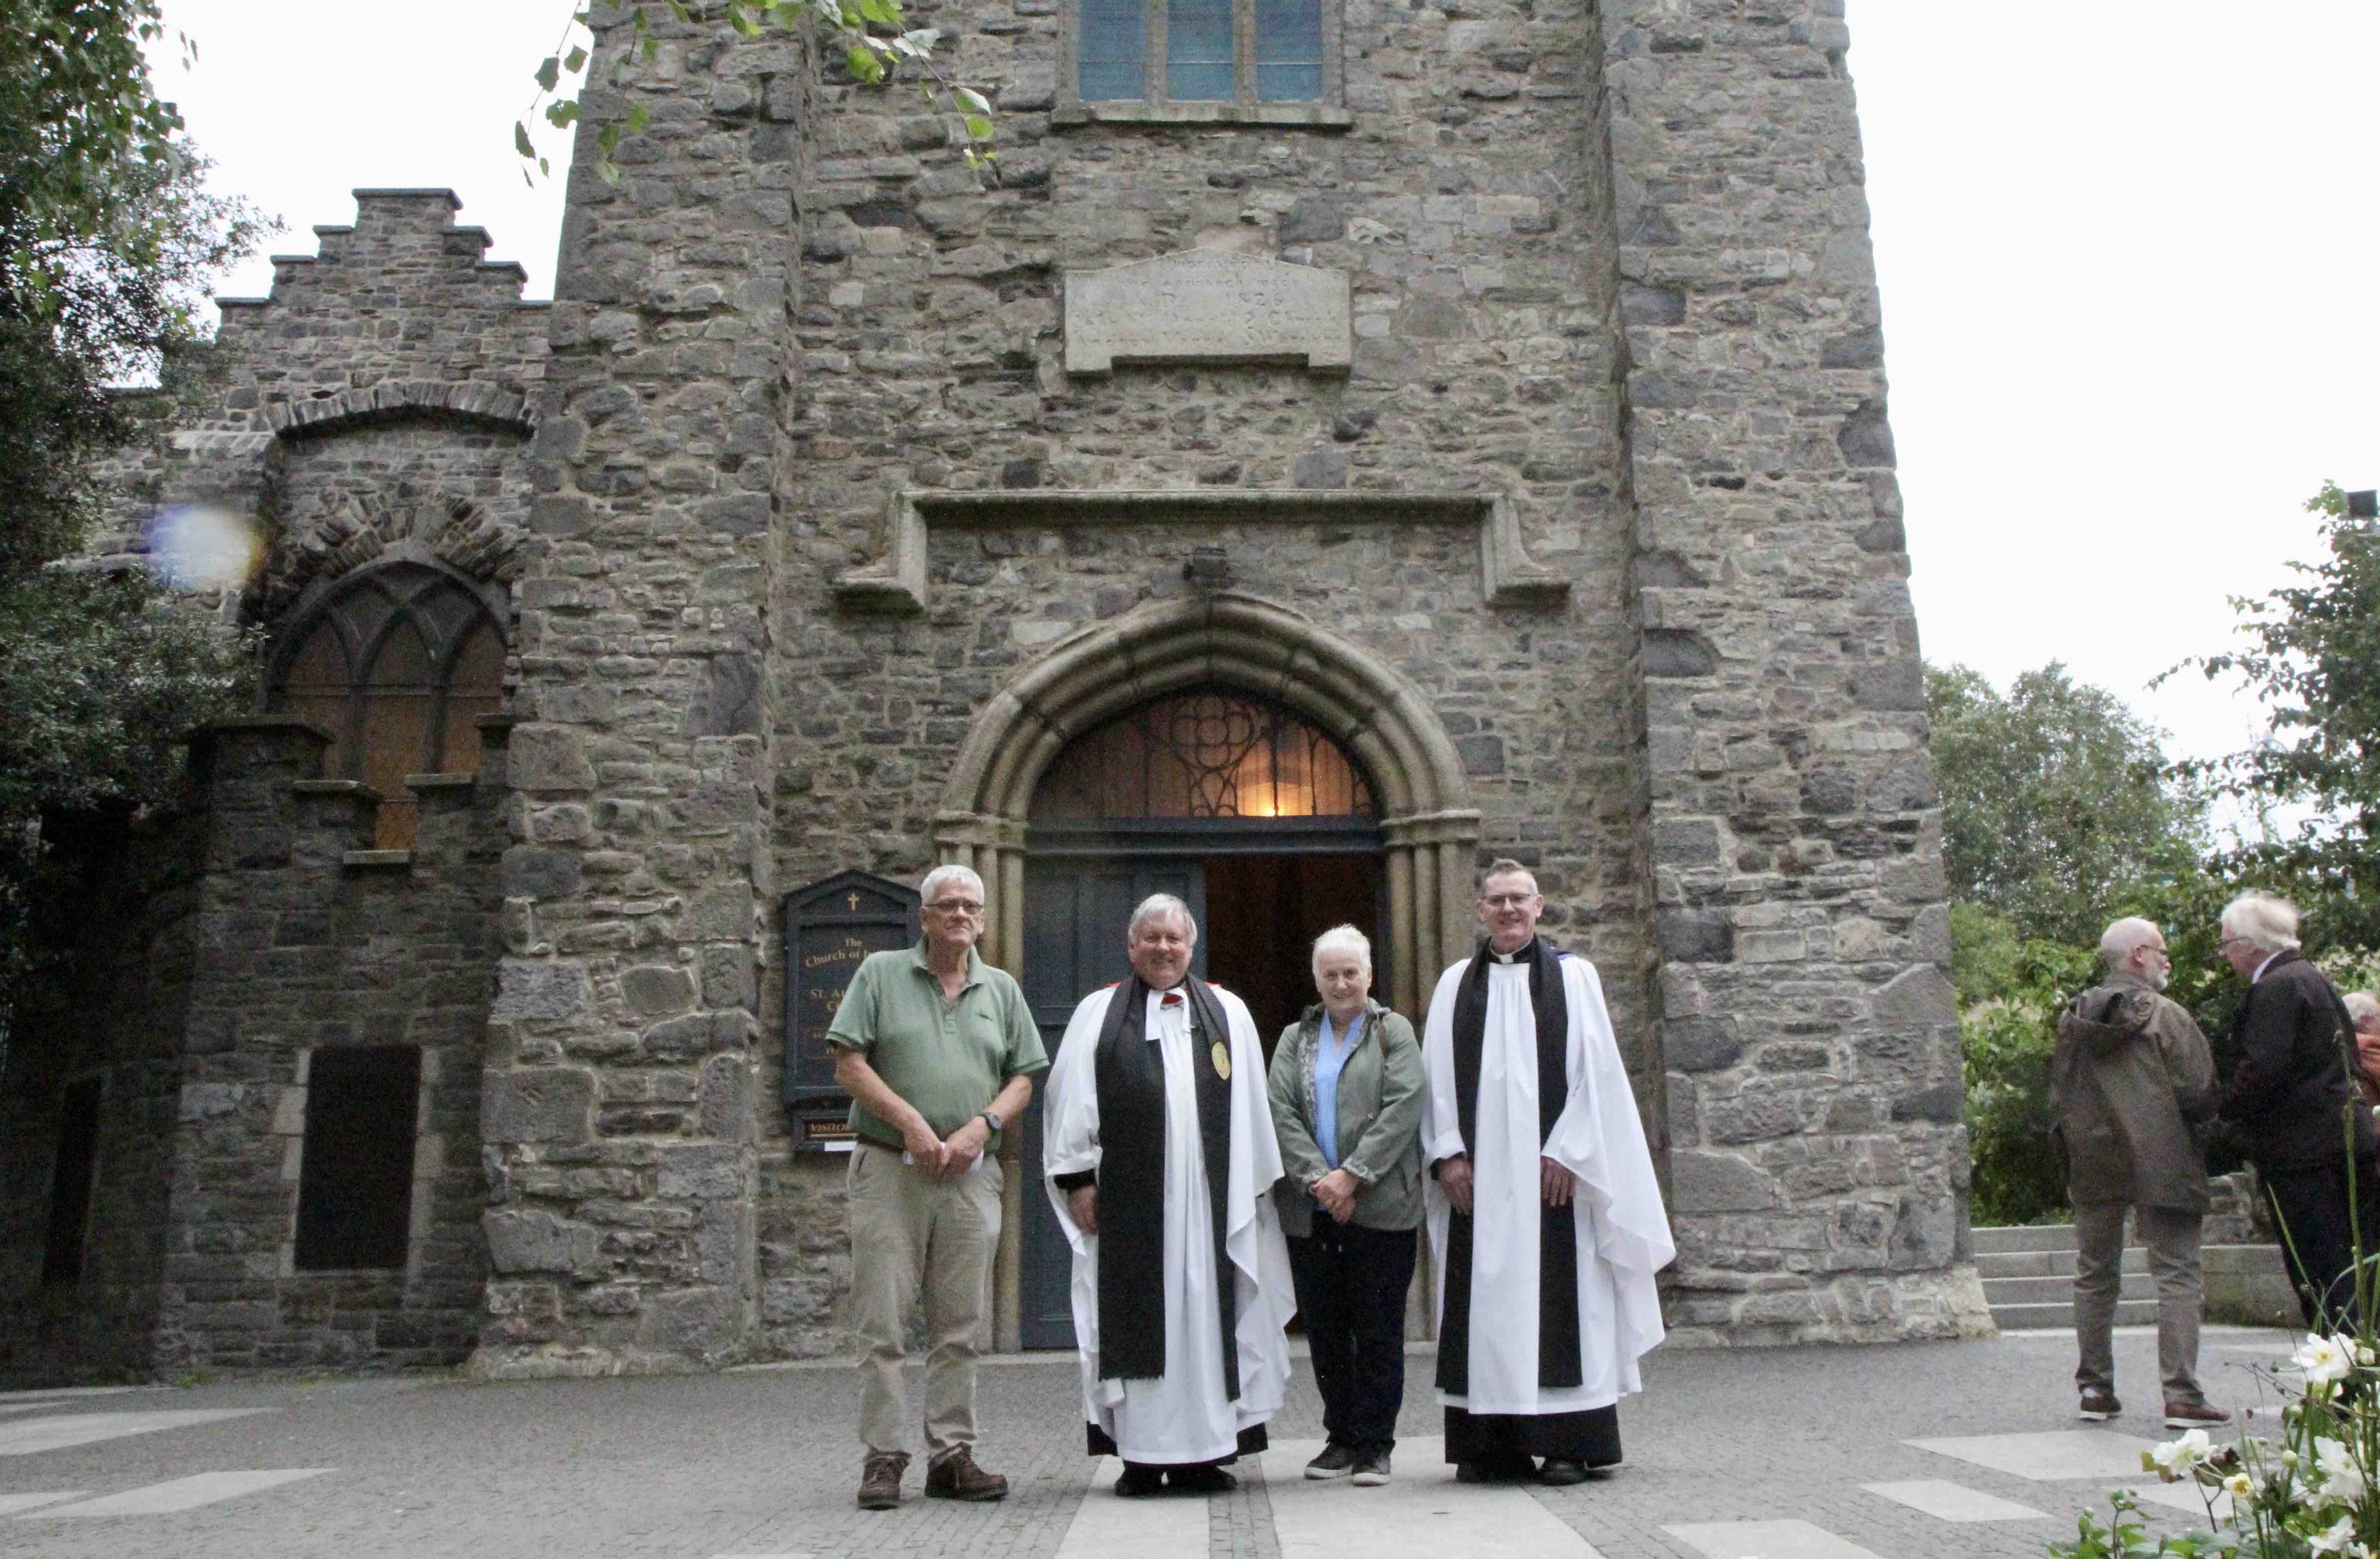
x=938 y=1051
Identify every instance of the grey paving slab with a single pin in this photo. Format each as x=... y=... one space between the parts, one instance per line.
x=11 y=1504
x=1769 y=1540
x=180 y=1493
x=28 y=1437
x=2055 y=1454
x=1421 y=1510
x=766 y=1462
x=1946 y=1501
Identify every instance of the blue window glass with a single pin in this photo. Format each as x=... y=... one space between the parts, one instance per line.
x=1288 y=51
x=1114 y=61
x=1198 y=51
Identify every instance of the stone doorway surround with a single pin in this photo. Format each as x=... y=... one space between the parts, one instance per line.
x=1430 y=827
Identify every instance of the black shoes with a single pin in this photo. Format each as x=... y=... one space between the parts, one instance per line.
x=1561 y=1474
x=1140 y=1479
x=1497 y=1470
x=1371 y=1469
x=1337 y=1460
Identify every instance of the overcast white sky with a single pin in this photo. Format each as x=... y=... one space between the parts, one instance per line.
x=2123 y=249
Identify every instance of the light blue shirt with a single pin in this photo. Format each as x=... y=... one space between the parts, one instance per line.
x=1331 y=1058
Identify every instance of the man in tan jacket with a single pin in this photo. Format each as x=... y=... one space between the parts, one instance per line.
x=2132 y=1083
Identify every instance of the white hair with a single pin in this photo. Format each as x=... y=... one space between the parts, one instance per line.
x=2119 y=940
x=1343 y=939
x=2361 y=1005
x=2262 y=921
x=941 y=877
x=1149 y=908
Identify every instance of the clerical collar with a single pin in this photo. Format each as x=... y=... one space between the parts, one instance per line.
x=1527 y=950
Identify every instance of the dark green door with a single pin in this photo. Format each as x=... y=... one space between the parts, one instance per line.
x=1075 y=912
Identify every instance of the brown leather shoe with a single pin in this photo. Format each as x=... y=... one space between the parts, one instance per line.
x=2195 y=1414
x=955 y=1477
x=879 y=1478
x=2099 y=1404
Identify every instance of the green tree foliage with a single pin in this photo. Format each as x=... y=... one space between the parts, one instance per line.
x=106 y=244
x=2311 y=658
x=2057 y=818
x=2054 y=799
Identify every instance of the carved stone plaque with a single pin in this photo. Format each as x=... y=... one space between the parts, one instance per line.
x=1208 y=305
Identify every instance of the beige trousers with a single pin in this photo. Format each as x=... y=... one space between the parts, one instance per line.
x=2172 y=1236
x=917 y=1238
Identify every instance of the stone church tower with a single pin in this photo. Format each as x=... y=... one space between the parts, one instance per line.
x=1344 y=443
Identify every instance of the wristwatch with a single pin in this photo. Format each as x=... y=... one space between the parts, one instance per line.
x=990 y=1120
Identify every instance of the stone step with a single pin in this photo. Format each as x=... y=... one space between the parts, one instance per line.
x=2046 y=1263
x=1998 y=1291
x=2038 y=1237
x=2027 y=1318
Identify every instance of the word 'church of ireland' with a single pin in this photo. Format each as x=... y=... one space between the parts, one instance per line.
x=1345 y=444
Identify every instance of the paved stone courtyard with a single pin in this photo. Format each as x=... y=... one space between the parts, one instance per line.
x=1784 y=1453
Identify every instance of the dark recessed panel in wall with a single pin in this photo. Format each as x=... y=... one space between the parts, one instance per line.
x=355 y=1191
x=70 y=1183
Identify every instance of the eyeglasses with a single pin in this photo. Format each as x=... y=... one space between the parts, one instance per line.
x=956 y=907
x=2228 y=942
x=1506 y=901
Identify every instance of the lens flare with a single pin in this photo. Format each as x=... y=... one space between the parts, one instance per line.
x=194 y=547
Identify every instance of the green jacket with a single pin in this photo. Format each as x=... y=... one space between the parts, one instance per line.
x=1379 y=1122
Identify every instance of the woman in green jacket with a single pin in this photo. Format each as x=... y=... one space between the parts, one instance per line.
x=1346 y=1086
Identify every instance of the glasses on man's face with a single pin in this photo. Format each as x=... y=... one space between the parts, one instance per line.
x=1505 y=901
x=955 y=906
x=2228 y=942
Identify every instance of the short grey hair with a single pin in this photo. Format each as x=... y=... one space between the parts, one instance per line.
x=2362 y=1006
x=1343 y=939
x=2119 y=940
x=941 y=877
x=1149 y=908
x=1504 y=866
x=2262 y=921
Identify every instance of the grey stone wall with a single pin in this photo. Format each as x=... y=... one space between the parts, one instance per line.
x=115 y=920
x=1820 y=1169
x=621 y=1113
x=311 y=940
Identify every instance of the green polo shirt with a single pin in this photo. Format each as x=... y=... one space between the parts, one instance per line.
x=947 y=1058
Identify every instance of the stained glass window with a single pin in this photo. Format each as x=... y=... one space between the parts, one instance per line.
x=397 y=665
x=1213 y=51
x=1203 y=755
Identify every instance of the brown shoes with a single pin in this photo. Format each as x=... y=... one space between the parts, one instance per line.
x=880 y=1480
x=955 y=1477
x=2099 y=1404
x=2195 y=1414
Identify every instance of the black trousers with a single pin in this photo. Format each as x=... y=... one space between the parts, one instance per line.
x=1351 y=1289
x=2319 y=1240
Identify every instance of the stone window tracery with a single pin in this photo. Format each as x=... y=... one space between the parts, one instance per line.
x=396 y=663
x=1261 y=61
x=1203 y=754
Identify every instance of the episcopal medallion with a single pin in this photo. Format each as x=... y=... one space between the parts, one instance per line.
x=1222 y=1060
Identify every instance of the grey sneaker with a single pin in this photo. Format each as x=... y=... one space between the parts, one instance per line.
x=1371 y=1469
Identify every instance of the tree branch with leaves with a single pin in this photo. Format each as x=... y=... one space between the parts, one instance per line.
x=876 y=41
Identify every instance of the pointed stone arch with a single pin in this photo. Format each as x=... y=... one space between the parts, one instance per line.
x=1430 y=827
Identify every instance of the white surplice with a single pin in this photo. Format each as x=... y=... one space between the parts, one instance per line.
x=1623 y=1234
x=1186 y=1415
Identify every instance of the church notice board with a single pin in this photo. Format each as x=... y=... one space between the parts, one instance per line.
x=830 y=927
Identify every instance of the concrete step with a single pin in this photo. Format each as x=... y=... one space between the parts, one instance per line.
x=2046 y=1263
x=2039 y=1237
x=1998 y=1291
x=2027 y=1318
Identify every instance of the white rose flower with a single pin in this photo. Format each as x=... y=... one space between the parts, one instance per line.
x=2181 y=1455
x=2326 y=1360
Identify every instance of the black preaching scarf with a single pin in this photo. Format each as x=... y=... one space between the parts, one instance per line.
x=1558 y=1352
x=1130 y=1071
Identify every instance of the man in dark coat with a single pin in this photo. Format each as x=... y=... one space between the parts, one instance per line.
x=2293 y=1099
x=2132 y=1083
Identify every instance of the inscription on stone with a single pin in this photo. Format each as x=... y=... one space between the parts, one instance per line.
x=1205 y=306
x=829 y=927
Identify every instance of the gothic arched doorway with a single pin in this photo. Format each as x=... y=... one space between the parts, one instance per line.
x=1234 y=752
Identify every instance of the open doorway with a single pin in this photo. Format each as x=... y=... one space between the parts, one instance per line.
x=1263 y=913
